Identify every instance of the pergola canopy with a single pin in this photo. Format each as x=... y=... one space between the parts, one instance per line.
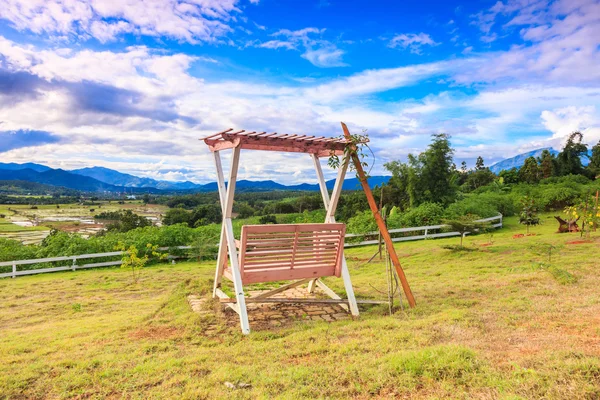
x=320 y=146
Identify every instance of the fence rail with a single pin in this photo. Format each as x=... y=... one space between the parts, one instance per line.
x=425 y=229
x=72 y=266
x=75 y=266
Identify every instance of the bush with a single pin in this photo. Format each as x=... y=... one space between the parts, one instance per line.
x=14 y=250
x=362 y=222
x=502 y=203
x=471 y=206
x=557 y=197
x=267 y=219
x=573 y=179
x=423 y=215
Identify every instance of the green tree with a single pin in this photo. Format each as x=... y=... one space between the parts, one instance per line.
x=510 y=176
x=206 y=214
x=132 y=260
x=177 y=216
x=594 y=166
x=479 y=178
x=529 y=172
x=569 y=159
x=399 y=188
x=547 y=164
x=126 y=220
x=529 y=213
x=428 y=177
x=479 y=164
x=146 y=198
x=437 y=176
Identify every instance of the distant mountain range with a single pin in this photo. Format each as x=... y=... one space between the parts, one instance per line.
x=99 y=179
x=518 y=160
x=117 y=178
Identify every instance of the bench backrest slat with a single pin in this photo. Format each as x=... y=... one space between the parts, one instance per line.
x=292 y=251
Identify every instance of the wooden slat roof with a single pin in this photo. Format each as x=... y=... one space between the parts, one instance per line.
x=296 y=143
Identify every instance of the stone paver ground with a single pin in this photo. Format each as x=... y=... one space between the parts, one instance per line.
x=267 y=315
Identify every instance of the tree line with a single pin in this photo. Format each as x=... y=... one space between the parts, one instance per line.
x=432 y=176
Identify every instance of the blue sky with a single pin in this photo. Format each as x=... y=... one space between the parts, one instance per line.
x=132 y=85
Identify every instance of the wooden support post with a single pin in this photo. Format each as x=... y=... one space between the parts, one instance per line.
x=233 y=258
x=380 y=223
x=330 y=206
x=228 y=239
x=325 y=195
x=14 y=270
x=222 y=255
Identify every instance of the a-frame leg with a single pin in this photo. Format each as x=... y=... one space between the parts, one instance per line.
x=222 y=255
x=230 y=239
x=330 y=206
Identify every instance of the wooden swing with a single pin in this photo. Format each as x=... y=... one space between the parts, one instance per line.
x=302 y=253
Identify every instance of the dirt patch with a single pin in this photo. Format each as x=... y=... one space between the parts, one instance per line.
x=156 y=332
x=580 y=242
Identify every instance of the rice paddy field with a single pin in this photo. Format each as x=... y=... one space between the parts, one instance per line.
x=517 y=317
x=31 y=224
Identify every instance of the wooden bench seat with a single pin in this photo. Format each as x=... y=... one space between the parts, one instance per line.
x=269 y=253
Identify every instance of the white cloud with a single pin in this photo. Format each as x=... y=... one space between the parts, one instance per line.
x=277 y=44
x=413 y=42
x=563 y=121
x=325 y=57
x=188 y=20
x=321 y=53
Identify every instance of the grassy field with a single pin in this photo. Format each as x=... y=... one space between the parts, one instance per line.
x=499 y=322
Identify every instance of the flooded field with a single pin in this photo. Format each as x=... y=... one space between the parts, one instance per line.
x=31 y=224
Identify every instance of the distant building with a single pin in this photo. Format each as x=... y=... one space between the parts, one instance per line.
x=131 y=197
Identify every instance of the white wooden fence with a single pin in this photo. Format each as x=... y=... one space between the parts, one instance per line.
x=72 y=261
x=425 y=229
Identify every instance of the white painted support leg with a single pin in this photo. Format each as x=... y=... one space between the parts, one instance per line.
x=331 y=293
x=311 y=285
x=349 y=288
x=222 y=255
x=233 y=257
x=325 y=195
x=221 y=261
x=237 y=278
x=222 y=295
x=331 y=206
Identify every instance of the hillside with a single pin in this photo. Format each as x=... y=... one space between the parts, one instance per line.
x=62 y=178
x=117 y=178
x=32 y=166
x=518 y=160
